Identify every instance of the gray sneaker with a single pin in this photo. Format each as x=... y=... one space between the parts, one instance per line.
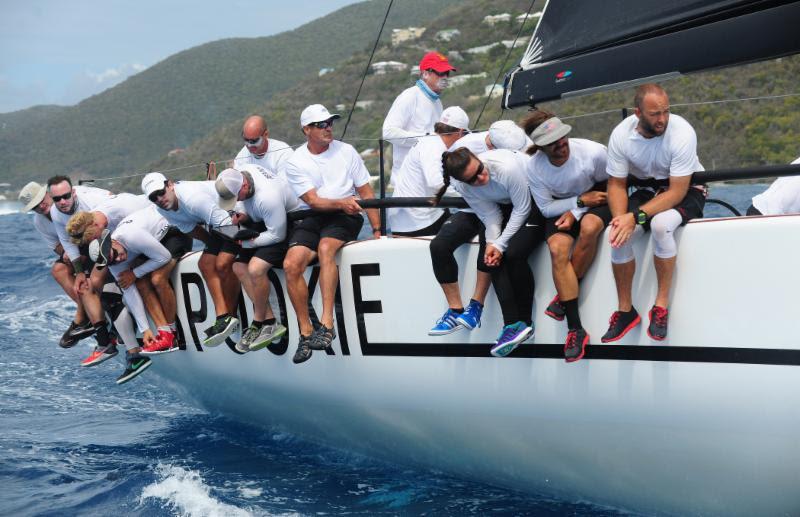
x=243 y=345
x=266 y=335
x=303 y=352
x=322 y=338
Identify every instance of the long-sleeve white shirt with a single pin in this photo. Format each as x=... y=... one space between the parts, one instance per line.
x=507 y=185
x=197 y=204
x=272 y=199
x=412 y=115
x=419 y=176
x=556 y=189
x=87 y=198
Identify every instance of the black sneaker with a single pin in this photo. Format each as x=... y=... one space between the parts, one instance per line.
x=322 y=338
x=220 y=330
x=75 y=333
x=620 y=324
x=134 y=365
x=658 y=323
x=575 y=346
x=303 y=352
x=555 y=310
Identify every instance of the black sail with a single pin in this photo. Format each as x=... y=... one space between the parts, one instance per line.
x=584 y=46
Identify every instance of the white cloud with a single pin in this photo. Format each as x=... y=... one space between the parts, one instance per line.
x=112 y=76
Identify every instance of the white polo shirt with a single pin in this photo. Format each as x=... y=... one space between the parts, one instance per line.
x=412 y=115
x=335 y=173
x=273 y=160
x=197 y=204
x=674 y=153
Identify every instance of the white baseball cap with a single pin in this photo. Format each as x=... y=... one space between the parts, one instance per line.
x=31 y=195
x=455 y=117
x=505 y=134
x=152 y=182
x=316 y=113
x=228 y=184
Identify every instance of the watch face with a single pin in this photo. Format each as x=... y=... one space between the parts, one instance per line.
x=641 y=217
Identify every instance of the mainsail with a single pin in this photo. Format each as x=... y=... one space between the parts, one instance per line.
x=584 y=46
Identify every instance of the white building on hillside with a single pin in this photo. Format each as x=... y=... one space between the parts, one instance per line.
x=458 y=80
x=407 y=34
x=533 y=16
x=494 y=19
x=384 y=67
x=447 y=35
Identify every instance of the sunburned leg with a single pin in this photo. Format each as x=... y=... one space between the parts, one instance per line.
x=294 y=266
x=586 y=246
x=166 y=294
x=623 y=277
x=482 y=283
x=207 y=265
x=664 y=270
x=328 y=277
x=257 y=272
x=151 y=301
x=564 y=276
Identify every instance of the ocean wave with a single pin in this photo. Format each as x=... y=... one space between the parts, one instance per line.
x=185 y=492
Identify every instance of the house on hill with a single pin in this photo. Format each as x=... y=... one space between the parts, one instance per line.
x=533 y=16
x=408 y=34
x=447 y=35
x=384 y=67
x=494 y=19
x=458 y=80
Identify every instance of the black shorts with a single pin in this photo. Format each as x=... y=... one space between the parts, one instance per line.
x=273 y=254
x=601 y=211
x=309 y=231
x=177 y=242
x=217 y=245
x=690 y=207
x=429 y=230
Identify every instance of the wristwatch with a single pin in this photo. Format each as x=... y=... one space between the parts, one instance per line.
x=580 y=202
x=641 y=217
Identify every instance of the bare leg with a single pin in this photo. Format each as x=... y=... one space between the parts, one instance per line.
x=151 y=301
x=482 y=283
x=564 y=277
x=664 y=270
x=294 y=265
x=453 y=295
x=586 y=245
x=240 y=270
x=257 y=273
x=230 y=284
x=63 y=275
x=328 y=276
x=166 y=295
x=623 y=277
x=208 y=269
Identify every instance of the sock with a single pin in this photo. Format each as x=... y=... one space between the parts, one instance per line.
x=173 y=327
x=459 y=311
x=165 y=328
x=258 y=324
x=476 y=302
x=222 y=316
x=101 y=333
x=270 y=321
x=571 y=311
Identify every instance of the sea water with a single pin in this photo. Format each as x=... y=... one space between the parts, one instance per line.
x=72 y=442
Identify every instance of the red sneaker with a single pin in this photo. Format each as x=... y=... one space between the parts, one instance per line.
x=100 y=354
x=555 y=310
x=162 y=344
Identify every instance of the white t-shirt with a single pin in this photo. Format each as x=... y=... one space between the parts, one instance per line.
x=335 y=173
x=46 y=229
x=197 y=204
x=273 y=160
x=88 y=198
x=118 y=207
x=556 y=189
x=272 y=200
x=475 y=142
x=140 y=234
x=674 y=153
x=419 y=176
x=412 y=115
x=782 y=197
x=507 y=185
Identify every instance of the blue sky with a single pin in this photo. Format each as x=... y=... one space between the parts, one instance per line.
x=60 y=51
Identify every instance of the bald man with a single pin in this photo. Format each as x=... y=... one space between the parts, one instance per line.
x=260 y=149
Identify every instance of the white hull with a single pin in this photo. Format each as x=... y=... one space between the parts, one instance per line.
x=705 y=422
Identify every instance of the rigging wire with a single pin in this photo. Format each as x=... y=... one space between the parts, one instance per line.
x=505 y=62
x=366 y=70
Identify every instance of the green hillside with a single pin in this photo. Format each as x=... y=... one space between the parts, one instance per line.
x=185 y=96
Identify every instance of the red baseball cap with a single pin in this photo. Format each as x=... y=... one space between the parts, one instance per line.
x=436 y=61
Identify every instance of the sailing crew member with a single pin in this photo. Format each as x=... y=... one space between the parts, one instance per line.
x=417 y=109
x=142 y=251
x=567 y=178
x=782 y=197
x=463 y=226
x=35 y=197
x=495 y=187
x=660 y=149
x=265 y=197
x=188 y=205
x=67 y=200
x=325 y=174
x=421 y=176
x=259 y=148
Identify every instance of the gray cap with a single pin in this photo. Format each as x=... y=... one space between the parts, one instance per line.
x=31 y=195
x=549 y=131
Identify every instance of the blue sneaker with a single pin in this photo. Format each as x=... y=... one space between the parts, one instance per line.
x=510 y=338
x=471 y=317
x=447 y=324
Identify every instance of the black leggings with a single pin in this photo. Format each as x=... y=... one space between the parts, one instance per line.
x=459 y=229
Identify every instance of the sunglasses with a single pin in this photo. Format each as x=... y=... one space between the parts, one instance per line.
x=325 y=124
x=56 y=199
x=438 y=74
x=474 y=177
x=253 y=142
x=153 y=197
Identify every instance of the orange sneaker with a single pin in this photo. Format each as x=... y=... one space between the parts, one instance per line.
x=100 y=354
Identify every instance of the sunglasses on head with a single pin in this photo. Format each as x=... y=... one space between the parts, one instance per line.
x=56 y=199
x=325 y=124
x=474 y=177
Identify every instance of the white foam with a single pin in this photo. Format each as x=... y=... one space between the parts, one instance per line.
x=185 y=492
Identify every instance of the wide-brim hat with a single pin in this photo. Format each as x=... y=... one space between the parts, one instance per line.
x=31 y=195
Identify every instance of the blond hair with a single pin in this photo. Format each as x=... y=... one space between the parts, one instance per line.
x=77 y=226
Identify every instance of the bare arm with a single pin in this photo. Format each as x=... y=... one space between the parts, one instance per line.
x=347 y=205
x=678 y=187
x=365 y=192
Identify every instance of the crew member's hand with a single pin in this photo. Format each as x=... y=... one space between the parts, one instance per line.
x=376 y=234
x=566 y=221
x=147 y=337
x=81 y=284
x=622 y=228
x=594 y=198
x=126 y=279
x=492 y=256
x=350 y=206
x=238 y=218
